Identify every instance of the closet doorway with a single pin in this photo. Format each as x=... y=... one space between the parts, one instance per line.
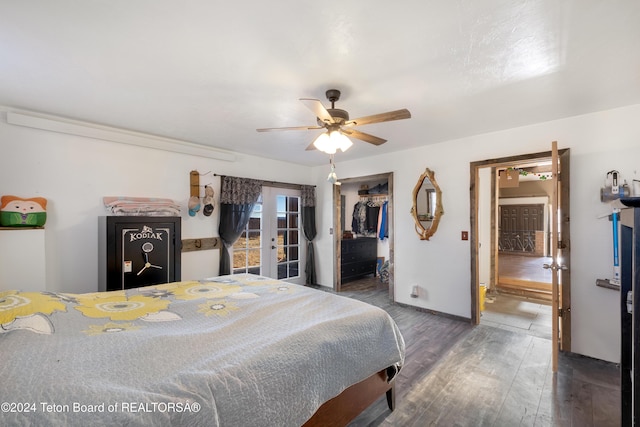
x=375 y=190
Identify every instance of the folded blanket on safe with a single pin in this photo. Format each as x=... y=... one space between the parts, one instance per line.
x=238 y=350
x=136 y=206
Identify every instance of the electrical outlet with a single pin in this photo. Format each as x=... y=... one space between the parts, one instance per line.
x=415 y=293
x=465 y=235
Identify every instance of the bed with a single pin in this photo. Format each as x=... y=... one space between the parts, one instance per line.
x=239 y=350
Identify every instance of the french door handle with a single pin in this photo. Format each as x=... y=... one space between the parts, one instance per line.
x=554 y=267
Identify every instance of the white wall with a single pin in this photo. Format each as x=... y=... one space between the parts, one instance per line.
x=598 y=142
x=75 y=172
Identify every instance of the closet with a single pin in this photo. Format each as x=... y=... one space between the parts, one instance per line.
x=364 y=244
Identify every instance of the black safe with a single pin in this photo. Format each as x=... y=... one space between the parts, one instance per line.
x=136 y=251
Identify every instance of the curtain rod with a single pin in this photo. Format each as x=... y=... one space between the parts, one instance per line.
x=272 y=183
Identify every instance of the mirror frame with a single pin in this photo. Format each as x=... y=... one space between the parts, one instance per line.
x=426 y=233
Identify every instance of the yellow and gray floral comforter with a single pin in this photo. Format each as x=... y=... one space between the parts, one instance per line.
x=240 y=350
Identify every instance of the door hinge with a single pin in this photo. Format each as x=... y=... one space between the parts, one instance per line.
x=562 y=311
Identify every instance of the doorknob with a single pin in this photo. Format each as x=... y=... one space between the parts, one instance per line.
x=273 y=247
x=554 y=266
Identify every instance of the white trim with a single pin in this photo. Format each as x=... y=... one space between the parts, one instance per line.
x=90 y=130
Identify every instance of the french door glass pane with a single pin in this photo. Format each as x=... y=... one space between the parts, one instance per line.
x=293 y=253
x=288 y=236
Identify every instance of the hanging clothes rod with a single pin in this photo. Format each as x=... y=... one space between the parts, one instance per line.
x=374 y=196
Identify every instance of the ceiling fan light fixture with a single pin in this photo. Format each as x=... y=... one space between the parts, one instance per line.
x=323 y=143
x=330 y=142
x=340 y=141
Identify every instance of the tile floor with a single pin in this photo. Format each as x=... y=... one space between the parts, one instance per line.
x=517 y=314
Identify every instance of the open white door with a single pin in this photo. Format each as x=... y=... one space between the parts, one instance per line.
x=283 y=254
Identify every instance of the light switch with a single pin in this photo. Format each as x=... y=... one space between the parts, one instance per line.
x=465 y=235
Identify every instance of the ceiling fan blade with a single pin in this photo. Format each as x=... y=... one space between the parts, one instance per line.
x=363 y=136
x=318 y=109
x=290 y=128
x=382 y=117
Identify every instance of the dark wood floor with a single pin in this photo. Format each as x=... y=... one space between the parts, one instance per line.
x=456 y=374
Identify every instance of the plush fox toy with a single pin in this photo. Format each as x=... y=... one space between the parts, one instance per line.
x=18 y=212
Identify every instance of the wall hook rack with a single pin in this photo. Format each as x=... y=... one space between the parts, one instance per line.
x=194 y=183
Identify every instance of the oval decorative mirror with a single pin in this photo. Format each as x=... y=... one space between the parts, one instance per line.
x=427 y=205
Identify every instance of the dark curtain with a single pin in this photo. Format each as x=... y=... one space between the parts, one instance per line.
x=238 y=196
x=309 y=228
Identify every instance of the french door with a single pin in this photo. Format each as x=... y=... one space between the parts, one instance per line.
x=282 y=247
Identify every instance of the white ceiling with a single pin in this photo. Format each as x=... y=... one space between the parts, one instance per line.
x=211 y=72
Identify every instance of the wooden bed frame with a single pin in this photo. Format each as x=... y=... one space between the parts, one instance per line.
x=346 y=406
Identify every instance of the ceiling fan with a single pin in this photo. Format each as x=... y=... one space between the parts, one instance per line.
x=337 y=122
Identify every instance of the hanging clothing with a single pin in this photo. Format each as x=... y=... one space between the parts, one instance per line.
x=366 y=219
x=372 y=217
x=383 y=227
x=359 y=221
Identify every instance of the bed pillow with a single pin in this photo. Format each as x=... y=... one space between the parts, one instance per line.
x=19 y=212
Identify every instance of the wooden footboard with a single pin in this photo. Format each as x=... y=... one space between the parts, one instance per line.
x=343 y=408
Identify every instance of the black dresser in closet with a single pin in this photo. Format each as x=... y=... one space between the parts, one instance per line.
x=359 y=257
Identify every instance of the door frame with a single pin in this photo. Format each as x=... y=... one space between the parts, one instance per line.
x=565 y=304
